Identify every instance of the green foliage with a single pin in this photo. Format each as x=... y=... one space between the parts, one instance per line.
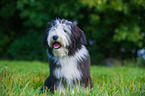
x=129 y=33
x=28 y=46
x=27 y=78
x=112 y=24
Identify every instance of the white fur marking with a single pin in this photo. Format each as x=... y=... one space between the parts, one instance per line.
x=69 y=69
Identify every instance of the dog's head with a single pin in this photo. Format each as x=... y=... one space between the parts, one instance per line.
x=63 y=37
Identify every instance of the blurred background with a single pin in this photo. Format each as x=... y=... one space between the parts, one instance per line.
x=115 y=29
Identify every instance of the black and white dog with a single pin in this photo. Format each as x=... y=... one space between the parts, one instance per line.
x=69 y=60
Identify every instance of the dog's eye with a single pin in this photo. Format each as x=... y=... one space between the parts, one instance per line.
x=65 y=31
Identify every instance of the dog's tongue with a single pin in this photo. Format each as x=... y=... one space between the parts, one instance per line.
x=56 y=45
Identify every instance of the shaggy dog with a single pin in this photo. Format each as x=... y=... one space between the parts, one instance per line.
x=69 y=60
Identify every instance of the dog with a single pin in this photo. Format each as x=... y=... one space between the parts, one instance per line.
x=69 y=60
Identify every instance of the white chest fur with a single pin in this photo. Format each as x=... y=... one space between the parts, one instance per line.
x=69 y=68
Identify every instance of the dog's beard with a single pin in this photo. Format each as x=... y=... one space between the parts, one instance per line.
x=60 y=52
x=58 y=48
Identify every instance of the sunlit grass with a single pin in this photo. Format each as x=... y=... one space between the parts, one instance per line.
x=21 y=78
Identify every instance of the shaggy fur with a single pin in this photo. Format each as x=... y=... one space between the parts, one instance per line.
x=69 y=60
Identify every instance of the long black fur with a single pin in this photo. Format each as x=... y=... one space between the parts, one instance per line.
x=77 y=40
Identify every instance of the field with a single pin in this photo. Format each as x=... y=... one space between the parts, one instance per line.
x=23 y=78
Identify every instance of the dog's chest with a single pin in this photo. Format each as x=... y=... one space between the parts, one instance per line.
x=68 y=70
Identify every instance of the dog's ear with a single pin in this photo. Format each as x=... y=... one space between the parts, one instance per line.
x=44 y=39
x=77 y=39
x=78 y=35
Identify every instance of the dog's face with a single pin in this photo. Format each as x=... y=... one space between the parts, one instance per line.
x=59 y=38
x=63 y=37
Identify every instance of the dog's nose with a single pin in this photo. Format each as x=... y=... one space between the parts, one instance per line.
x=55 y=37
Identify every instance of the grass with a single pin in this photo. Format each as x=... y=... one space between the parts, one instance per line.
x=21 y=78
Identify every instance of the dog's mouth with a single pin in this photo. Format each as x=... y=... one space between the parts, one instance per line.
x=56 y=45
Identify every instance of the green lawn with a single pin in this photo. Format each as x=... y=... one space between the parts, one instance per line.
x=22 y=78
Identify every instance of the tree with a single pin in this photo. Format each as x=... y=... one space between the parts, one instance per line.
x=114 y=28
